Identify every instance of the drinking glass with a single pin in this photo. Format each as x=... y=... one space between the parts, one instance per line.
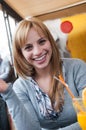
x=80 y=108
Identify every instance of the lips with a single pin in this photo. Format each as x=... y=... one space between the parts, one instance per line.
x=41 y=58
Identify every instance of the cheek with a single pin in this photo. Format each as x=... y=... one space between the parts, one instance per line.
x=25 y=54
x=50 y=48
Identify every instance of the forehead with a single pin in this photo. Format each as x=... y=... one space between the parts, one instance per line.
x=34 y=34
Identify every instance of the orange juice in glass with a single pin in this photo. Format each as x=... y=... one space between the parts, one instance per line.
x=80 y=108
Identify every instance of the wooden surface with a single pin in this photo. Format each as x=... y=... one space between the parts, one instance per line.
x=27 y=8
x=64 y=13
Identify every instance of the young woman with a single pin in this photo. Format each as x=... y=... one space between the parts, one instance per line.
x=37 y=100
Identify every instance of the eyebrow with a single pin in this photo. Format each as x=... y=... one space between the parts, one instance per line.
x=41 y=38
x=26 y=45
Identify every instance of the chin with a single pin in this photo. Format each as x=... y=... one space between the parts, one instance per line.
x=42 y=66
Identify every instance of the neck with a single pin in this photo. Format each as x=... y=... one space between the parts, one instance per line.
x=43 y=78
x=43 y=72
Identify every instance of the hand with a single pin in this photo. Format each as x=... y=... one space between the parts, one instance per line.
x=3 y=86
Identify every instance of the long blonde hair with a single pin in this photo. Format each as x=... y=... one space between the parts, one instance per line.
x=24 y=69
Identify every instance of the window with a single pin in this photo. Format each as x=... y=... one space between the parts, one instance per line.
x=7 y=27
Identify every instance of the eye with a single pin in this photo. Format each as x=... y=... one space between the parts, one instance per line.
x=42 y=41
x=28 y=48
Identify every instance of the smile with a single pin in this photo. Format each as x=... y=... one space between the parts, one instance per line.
x=40 y=58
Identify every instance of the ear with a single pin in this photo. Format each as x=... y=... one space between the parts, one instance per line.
x=66 y=26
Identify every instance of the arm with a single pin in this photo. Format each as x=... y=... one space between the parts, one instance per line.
x=22 y=119
x=74 y=126
x=80 y=83
x=80 y=76
x=6 y=69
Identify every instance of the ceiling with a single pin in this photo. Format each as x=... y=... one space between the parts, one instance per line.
x=29 y=8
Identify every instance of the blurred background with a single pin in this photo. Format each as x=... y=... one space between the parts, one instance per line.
x=52 y=13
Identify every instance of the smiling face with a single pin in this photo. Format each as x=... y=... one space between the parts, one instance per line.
x=37 y=50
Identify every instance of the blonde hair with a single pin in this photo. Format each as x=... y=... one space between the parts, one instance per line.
x=24 y=69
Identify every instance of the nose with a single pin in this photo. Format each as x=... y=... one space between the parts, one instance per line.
x=37 y=50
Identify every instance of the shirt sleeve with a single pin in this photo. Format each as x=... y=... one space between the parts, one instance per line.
x=80 y=75
x=74 y=126
x=6 y=70
x=22 y=118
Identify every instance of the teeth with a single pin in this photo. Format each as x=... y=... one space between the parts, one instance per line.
x=40 y=58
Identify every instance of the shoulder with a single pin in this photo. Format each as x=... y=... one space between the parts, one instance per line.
x=73 y=62
x=22 y=84
x=74 y=65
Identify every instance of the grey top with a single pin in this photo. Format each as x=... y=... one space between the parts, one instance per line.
x=24 y=107
x=6 y=70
